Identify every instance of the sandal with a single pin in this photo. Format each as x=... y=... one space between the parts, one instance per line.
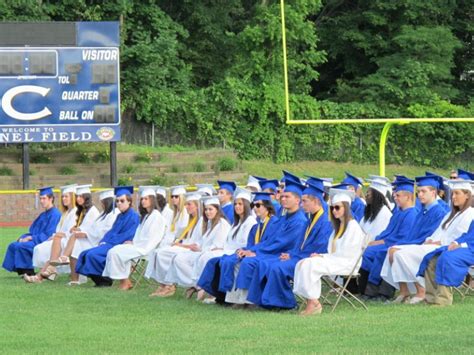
x=35 y=279
x=168 y=291
x=62 y=260
x=190 y=292
x=316 y=310
x=50 y=273
x=401 y=299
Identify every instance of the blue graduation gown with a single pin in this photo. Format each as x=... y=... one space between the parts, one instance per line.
x=292 y=226
x=452 y=266
x=358 y=209
x=426 y=222
x=92 y=261
x=229 y=212
x=20 y=255
x=270 y=285
x=225 y=264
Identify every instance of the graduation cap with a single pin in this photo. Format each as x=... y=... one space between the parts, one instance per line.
x=210 y=200
x=314 y=190
x=315 y=181
x=83 y=189
x=399 y=177
x=341 y=186
x=178 y=190
x=243 y=193
x=227 y=185
x=352 y=180
x=404 y=185
x=262 y=196
x=147 y=191
x=252 y=181
x=287 y=176
x=295 y=187
x=429 y=180
x=259 y=178
x=269 y=184
x=465 y=175
x=68 y=188
x=207 y=189
x=379 y=178
x=123 y=190
x=341 y=195
x=380 y=185
x=106 y=194
x=193 y=196
x=160 y=190
x=47 y=190
x=461 y=185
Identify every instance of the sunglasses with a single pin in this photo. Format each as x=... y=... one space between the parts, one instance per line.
x=453 y=177
x=257 y=205
x=120 y=200
x=336 y=208
x=174 y=196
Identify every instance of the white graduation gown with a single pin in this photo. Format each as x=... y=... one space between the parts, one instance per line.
x=407 y=260
x=160 y=260
x=148 y=236
x=378 y=225
x=42 y=251
x=182 y=270
x=94 y=233
x=308 y=272
x=179 y=227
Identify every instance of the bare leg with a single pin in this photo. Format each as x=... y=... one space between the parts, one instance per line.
x=125 y=284
x=74 y=275
x=420 y=291
x=55 y=248
x=391 y=251
x=312 y=307
x=404 y=289
x=69 y=246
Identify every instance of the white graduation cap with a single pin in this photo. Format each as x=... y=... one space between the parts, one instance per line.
x=378 y=178
x=243 y=193
x=68 y=188
x=340 y=195
x=160 y=190
x=380 y=185
x=106 y=194
x=83 y=189
x=178 y=190
x=461 y=185
x=210 y=200
x=193 y=196
x=327 y=182
x=147 y=191
x=207 y=189
x=253 y=182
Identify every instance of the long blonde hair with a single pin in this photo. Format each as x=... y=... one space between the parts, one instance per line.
x=178 y=211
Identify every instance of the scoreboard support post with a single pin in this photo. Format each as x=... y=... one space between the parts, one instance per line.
x=113 y=164
x=25 y=157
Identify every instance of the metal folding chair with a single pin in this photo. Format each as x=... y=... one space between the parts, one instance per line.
x=138 y=271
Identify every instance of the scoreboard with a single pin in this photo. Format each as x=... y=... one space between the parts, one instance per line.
x=59 y=82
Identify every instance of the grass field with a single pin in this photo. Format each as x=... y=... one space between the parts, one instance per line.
x=54 y=318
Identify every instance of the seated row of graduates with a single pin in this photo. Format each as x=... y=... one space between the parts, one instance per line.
x=253 y=259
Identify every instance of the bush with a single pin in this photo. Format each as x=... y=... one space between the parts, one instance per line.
x=159 y=180
x=6 y=171
x=226 y=164
x=41 y=159
x=32 y=172
x=102 y=157
x=144 y=157
x=129 y=169
x=125 y=181
x=199 y=167
x=67 y=170
x=85 y=158
x=174 y=169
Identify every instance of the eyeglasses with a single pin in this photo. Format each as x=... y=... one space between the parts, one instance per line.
x=257 y=205
x=453 y=177
x=336 y=208
x=174 y=196
x=120 y=200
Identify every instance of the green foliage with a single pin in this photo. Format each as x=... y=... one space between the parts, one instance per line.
x=6 y=171
x=125 y=181
x=129 y=169
x=102 y=157
x=145 y=157
x=85 y=158
x=67 y=170
x=159 y=180
x=226 y=164
x=199 y=166
x=41 y=159
x=174 y=168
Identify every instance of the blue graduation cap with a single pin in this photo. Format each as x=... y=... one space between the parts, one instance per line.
x=123 y=190
x=341 y=186
x=402 y=178
x=315 y=181
x=227 y=185
x=295 y=187
x=404 y=185
x=269 y=184
x=259 y=178
x=314 y=190
x=465 y=175
x=429 y=180
x=287 y=176
x=47 y=190
x=262 y=196
x=352 y=180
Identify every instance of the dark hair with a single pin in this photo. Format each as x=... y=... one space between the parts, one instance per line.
x=109 y=206
x=247 y=211
x=268 y=206
x=143 y=211
x=216 y=220
x=374 y=205
x=336 y=223
x=456 y=209
x=161 y=202
x=86 y=206
x=51 y=196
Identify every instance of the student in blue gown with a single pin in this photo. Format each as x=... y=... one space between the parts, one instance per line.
x=399 y=228
x=443 y=191
x=91 y=262
x=217 y=277
x=270 y=286
x=225 y=194
x=447 y=267
x=19 y=256
x=426 y=222
x=358 y=205
x=293 y=224
x=322 y=184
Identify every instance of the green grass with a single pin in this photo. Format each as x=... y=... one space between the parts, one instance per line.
x=52 y=317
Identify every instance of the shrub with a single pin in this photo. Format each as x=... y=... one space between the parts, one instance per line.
x=85 y=158
x=174 y=169
x=159 y=180
x=199 y=166
x=226 y=164
x=67 y=170
x=41 y=159
x=125 y=181
x=102 y=157
x=6 y=171
x=129 y=169
x=144 y=157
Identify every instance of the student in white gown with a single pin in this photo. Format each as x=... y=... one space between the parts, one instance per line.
x=214 y=232
x=163 y=206
x=344 y=248
x=377 y=213
x=402 y=263
x=42 y=251
x=148 y=236
x=160 y=260
x=180 y=218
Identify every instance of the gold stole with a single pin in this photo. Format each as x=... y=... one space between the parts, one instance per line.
x=310 y=227
x=259 y=233
x=338 y=235
x=190 y=226
x=80 y=219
